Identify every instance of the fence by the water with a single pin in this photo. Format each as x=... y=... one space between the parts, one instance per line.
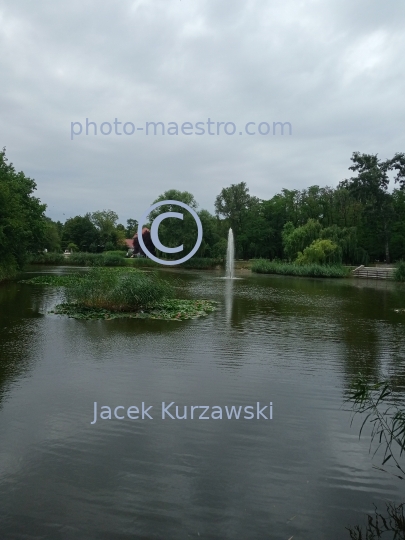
x=374 y=272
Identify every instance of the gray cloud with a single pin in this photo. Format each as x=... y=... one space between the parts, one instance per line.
x=334 y=70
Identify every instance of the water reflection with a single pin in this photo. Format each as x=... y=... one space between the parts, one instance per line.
x=228 y=299
x=19 y=314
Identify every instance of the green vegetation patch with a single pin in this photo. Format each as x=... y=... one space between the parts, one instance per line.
x=53 y=280
x=169 y=310
x=263 y=266
x=116 y=293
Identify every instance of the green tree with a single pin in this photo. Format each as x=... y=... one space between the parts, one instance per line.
x=211 y=236
x=398 y=227
x=131 y=228
x=370 y=188
x=297 y=239
x=233 y=203
x=52 y=239
x=22 y=220
x=320 y=252
x=111 y=235
x=174 y=232
x=82 y=232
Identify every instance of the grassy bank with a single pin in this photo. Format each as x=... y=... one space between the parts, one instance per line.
x=116 y=293
x=263 y=266
x=116 y=258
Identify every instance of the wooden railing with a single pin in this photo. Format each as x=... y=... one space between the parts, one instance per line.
x=370 y=272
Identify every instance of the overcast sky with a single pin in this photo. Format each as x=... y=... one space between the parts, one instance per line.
x=333 y=69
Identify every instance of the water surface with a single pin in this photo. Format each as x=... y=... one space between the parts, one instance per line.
x=294 y=342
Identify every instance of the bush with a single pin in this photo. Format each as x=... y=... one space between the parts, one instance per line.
x=118 y=291
x=399 y=274
x=263 y=266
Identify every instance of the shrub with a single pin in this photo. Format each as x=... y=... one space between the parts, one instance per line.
x=399 y=274
x=118 y=291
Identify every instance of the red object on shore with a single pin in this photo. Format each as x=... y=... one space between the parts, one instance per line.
x=147 y=241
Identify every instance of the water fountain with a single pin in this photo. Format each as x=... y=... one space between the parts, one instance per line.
x=230 y=256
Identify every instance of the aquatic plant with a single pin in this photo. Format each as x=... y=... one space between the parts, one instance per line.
x=173 y=310
x=383 y=408
x=53 y=280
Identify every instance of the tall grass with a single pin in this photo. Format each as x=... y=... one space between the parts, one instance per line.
x=80 y=259
x=263 y=266
x=119 y=253
x=114 y=258
x=118 y=291
x=200 y=263
x=47 y=258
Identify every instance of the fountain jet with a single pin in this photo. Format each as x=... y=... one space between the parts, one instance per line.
x=230 y=256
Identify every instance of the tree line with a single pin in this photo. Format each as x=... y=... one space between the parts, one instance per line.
x=361 y=220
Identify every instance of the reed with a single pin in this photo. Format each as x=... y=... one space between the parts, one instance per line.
x=118 y=291
x=264 y=266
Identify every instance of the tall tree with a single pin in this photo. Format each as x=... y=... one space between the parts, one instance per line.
x=22 y=219
x=105 y=222
x=81 y=231
x=232 y=203
x=131 y=228
x=370 y=188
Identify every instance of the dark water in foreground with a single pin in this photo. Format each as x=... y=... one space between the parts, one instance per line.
x=295 y=342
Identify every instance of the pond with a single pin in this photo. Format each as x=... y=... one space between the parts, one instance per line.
x=294 y=342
